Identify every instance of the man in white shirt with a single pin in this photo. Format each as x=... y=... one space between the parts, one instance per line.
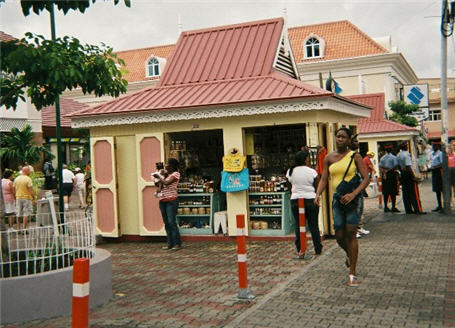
x=69 y=183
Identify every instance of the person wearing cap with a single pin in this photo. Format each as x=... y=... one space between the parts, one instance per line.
x=388 y=167
x=80 y=186
x=410 y=189
x=436 y=175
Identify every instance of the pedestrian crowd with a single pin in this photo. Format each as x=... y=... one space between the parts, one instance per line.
x=20 y=196
x=349 y=175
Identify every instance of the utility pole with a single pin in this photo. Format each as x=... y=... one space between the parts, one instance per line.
x=447 y=20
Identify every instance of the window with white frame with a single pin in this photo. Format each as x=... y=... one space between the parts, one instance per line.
x=313 y=47
x=434 y=114
x=153 y=67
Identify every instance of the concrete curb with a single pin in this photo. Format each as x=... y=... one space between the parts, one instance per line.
x=49 y=294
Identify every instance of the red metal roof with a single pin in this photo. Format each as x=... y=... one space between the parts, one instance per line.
x=218 y=66
x=6 y=37
x=275 y=86
x=376 y=123
x=67 y=107
x=225 y=52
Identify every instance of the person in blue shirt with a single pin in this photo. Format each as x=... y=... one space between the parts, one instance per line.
x=410 y=189
x=436 y=174
x=388 y=167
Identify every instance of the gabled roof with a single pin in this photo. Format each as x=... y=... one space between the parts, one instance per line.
x=67 y=107
x=377 y=123
x=6 y=37
x=136 y=59
x=223 y=53
x=342 y=40
x=231 y=64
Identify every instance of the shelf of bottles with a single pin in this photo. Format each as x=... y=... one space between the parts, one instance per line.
x=195 y=212
x=269 y=205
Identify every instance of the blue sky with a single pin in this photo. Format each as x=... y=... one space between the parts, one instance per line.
x=413 y=25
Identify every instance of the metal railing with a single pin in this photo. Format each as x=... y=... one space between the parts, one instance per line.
x=52 y=246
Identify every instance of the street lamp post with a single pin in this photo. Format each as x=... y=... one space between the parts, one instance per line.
x=58 y=130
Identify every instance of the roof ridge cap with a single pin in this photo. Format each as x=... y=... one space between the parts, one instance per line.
x=229 y=26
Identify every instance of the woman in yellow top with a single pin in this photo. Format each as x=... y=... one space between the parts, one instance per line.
x=345 y=220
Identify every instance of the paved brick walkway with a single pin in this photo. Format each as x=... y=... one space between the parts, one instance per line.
x=406 y=270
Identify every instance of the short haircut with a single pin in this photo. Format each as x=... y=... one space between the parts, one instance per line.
x=345 y=129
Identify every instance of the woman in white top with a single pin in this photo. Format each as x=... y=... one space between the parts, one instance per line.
x=304 y=182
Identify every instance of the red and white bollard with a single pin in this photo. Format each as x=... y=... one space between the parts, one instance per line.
x=244 y=291
x=302 y=225
x=81 y=292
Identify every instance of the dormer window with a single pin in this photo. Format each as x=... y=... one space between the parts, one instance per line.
x=313 y=47
x=153 y=67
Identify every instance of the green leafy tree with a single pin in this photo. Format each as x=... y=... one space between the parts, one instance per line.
x=401 y=111
x=64 y=5
x=42 y=69
x=19 y=146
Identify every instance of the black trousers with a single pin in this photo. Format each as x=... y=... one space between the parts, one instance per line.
x=311 y=216
x=410 y=193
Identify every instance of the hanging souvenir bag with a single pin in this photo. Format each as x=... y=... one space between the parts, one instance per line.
x=232 y=182
x=233 y=162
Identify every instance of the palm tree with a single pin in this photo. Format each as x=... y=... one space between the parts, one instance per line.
x=19 y=146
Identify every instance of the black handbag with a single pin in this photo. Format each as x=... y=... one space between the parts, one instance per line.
x=346 y=187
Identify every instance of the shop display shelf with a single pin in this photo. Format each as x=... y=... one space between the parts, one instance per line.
x=285 y=218
x=196 y=231
x=214 y=205
x=198 y=194
x=258 y=205
x=266 y=232
x=205 y=205
x=265 y=215
x=193 y=215
x=269 y=193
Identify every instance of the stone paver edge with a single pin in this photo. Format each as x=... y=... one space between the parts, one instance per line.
x=278 y=289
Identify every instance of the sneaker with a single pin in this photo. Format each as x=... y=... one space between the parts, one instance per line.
x=359 y=235
x=437 y=209
x=166 y=248
x=176 y=248
x=395 y=210
x=364 y=231
x=352 y=281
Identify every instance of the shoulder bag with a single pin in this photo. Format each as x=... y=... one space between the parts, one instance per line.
x=346 y=187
